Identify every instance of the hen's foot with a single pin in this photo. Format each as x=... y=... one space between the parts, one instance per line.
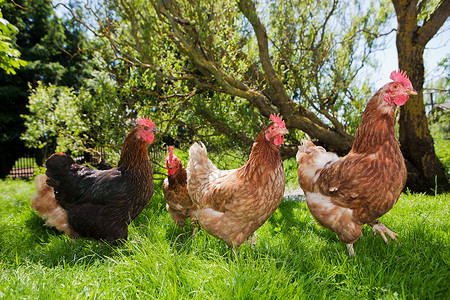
x=351 y=251
x=378 y=226
x=252 y=240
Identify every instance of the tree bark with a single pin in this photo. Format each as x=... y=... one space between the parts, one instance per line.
x=424 y=167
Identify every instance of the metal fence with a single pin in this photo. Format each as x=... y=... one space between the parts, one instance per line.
x=25 y=166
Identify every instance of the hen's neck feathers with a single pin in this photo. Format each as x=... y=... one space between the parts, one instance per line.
x=134 y=156
x=180 y=177
x=265 y=155
x=377 y=126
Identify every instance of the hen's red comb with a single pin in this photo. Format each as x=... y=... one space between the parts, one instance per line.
x=278 y=120
x=170 y=153
x=400 y=76
x=145 y=121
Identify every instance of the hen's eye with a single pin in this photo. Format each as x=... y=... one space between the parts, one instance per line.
x=146 y=128
x=395 y=86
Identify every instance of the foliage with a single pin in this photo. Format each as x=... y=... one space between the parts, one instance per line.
x=321 y=57
x=293 y=257
x=9 y=55
x=426 y=8
x=53 y=118
x=439 y=119
x=107 y=118
x=290 y=167
x=440 y=87
x=206 y=58
x=79 y=122
x=53 y=53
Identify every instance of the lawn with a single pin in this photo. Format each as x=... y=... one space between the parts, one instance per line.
x=293 y=257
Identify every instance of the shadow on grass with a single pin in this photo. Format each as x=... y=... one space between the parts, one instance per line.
x=286 y=227
x=52 y=248
x=33 y=242
x=285 y=219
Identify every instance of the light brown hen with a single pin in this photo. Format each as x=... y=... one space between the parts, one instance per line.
x=233 y=204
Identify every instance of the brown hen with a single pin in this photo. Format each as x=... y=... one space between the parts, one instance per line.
x=178 y=202
x=344 y=194
x=233 y=204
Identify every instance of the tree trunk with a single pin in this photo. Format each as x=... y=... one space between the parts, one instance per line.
x=424 y=168
x=415 y=139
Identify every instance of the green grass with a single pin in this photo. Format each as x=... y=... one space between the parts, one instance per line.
x=293 y=258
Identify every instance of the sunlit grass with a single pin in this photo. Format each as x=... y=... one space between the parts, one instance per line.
x=293 y=257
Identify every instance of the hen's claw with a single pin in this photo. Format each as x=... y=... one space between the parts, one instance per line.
x=251 y=240
x=378 y=226
x=351 y=251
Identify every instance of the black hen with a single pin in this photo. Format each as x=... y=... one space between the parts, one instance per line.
x=98 y=204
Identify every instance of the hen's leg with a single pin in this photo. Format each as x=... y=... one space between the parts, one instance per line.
x=351 y=251
x=195 y=225
x=378 y=226
x=252 y=240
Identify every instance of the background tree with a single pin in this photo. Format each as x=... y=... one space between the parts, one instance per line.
x=418 y=22
x=53 y=119
x=212 y=70
x=9 y=55
x=199 y=54
x=218 y=57
x=51 y=49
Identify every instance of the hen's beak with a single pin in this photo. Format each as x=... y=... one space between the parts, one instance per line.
x=283 y=131
x=154 y=129
x=412 y=92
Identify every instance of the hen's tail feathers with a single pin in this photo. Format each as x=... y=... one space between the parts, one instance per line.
x=311 y=159
x=304 y=148
x=200 y=171
x=198 y=154
x=48 y=208
x=198 y=158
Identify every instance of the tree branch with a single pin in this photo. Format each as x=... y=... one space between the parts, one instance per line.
x=77 y=18
x=229 y=84
x=185 y=36
x=434 y=23
x=222 y=127
x=281 y=99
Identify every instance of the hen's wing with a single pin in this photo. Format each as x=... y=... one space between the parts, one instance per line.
x=75 y=184
x=353 y=180
x=177 y=197
x=311 y=160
